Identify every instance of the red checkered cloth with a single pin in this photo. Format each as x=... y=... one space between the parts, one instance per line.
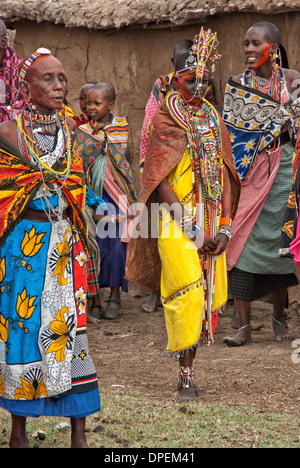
x=93 y=279
x=254 y=192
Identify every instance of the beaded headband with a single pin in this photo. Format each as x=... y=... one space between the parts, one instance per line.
x=191 y=69
x=202 y=51
x=31 y=59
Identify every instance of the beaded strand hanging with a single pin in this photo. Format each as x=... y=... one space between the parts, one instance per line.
x=271 y=87
x=204 y=142
x=50 y=134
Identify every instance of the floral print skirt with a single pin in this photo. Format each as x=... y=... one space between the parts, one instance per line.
x=44 y=352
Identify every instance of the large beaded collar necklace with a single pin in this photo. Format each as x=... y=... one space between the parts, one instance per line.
x=49 y=145
x=204 y=144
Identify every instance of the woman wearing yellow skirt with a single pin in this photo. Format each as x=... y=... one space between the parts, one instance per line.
x=182 y=280
x=189 y=171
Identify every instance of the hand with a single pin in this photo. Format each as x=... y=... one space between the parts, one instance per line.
x=209 y=245
x=222 y=241
x=98 y=127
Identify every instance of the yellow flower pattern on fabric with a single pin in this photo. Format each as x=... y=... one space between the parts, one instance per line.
x=2 y=269
x=62 y=263
x=25 y=305
x=288 y=228
x=4 y=324
x=61 y=335
x=80 y=297
x=31 y=243
x=31 y=390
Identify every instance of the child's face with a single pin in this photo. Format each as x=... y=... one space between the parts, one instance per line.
x=98 y=105
x=189 y=90
x=83 y=98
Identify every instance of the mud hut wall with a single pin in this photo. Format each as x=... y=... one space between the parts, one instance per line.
x=132 y=59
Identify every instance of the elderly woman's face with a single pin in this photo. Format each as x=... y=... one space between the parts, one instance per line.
x=46 y=84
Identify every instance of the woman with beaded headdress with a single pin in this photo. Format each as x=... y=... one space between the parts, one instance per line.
x=258 y=112
x=45 y=366
x=189 y=170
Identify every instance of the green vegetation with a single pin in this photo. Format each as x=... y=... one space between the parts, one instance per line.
x=136 y=420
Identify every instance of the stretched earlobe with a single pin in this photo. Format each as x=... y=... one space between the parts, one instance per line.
x=4 y=41
x=274 y=53
x=24 y=91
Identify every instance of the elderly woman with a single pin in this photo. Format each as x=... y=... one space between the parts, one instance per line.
x=45 y=366
x=257 y=111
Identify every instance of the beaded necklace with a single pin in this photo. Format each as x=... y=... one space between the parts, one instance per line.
x=49 y=134
x=204 y=143
x=272 y=86
x=205 y=151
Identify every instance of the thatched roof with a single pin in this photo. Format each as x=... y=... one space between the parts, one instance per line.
x=115 y=14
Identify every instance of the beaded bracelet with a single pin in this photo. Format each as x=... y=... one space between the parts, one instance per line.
x=225 y=221
x=192 y=231
x=186 y=221
x=227 y=230
x=190 y=227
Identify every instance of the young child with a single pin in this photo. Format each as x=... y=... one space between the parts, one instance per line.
x=102 y=143
x=188 y=166
x=69 y=112
x=94 y=308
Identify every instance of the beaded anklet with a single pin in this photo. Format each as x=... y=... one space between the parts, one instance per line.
x=186 y=377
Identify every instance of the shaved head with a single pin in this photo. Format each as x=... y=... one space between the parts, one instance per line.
x=271 y=32
x=40 y=64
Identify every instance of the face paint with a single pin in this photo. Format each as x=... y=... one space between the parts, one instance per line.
x=264 y=56
x=190 y=90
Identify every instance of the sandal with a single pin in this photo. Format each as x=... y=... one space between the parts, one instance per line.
x=97 y=311
x=111 y=313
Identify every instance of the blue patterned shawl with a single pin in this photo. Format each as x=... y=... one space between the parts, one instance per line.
x=254 y=121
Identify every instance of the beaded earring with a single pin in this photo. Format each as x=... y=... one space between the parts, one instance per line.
x=275 y=57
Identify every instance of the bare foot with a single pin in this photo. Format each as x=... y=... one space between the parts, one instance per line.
x=95 y=314
x=78 y=441
x=256 y=327
x=242 y=336
x=281 y=330
x=16 y=442
x=152 y=303
x=198 y=390
x=91 y=319
x=186 y=394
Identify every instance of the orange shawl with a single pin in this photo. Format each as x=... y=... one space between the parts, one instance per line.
x=20 y=180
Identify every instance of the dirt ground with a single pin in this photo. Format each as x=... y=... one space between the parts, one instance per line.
x=130 y=352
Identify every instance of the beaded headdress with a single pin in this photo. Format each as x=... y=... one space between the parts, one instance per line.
x=202 y=51
x=31 y=59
